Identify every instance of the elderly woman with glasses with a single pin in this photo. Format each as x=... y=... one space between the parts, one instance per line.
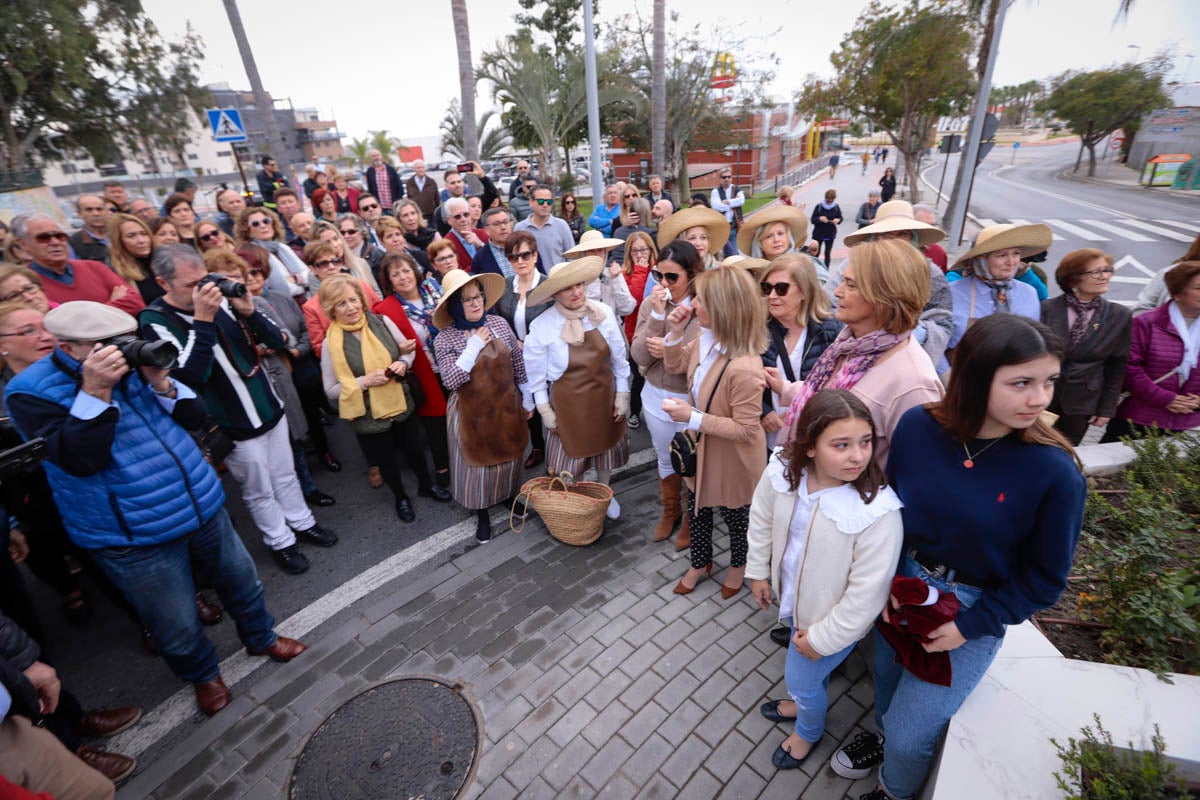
x=262 y=226
x=22 y=285
x=442 y=257
x=325 y=232
x=325 y=262
x=354 y=230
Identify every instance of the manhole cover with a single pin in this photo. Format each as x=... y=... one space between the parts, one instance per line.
x=409 y=738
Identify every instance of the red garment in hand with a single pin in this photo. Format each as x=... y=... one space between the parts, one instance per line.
x=11 y=791
x=910 y=626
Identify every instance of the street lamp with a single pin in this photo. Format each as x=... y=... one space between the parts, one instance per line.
x=1137 y=48
x=1187 y=67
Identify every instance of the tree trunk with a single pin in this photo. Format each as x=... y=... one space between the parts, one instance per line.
x=683 y=190
x=262 y=100
x=1091 y=147
x=466 y=78
x=658 y=91
x=1078 y=158
x=914 y=179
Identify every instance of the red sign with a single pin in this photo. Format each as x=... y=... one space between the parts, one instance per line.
x=411 y=154
x=834 y=123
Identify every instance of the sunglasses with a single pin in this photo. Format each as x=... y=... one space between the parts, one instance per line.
x=258 y=273
x=258 y=223
x=726 y=177
x=349 y=232
x=631 y=197
x=524 y=255
x=780 y=289
x=668 y=277
x=205 y=237
x=50 y=236
x=545 y=201
x=568 y=202
x=361 y=207
x=460 y=216
x=328 y=262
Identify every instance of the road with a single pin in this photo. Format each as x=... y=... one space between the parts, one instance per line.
x=1143 y=230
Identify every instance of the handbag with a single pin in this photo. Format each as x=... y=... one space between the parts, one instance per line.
x=685 y=445
x=416 y=395
x=213 y=442
x=1126 y=395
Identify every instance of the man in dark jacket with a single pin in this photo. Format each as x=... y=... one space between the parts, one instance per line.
x=90 y=242
x=383 y=181
x=269 y=179
x=423 y=190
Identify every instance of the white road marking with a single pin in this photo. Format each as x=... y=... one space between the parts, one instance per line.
x=1057 y=238
x=1129 y=279
x=1177 y=224
x=1082 y=233
x=1124 y=234
x=1133 y=262
x=987 y=223
x=181 y=706
x=1127 y=303
x=1145 y=226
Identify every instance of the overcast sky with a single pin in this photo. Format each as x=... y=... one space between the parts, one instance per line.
x=376 y=64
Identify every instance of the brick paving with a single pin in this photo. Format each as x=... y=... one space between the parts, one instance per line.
x=590 y=677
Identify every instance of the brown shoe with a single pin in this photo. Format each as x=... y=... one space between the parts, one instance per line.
x=212 y=696
x=535 y=457
x=683 y=539
x=113 y=766
x=671 y=509
x=209 y=613
x=282 y=649
x=108 y=722
x=374 y=477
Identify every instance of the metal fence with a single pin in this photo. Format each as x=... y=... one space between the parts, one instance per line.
x=802 y=175
x=14 y=180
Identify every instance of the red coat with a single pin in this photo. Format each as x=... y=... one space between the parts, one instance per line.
x=636 y=281
x=352 y=194
x=435 y=400
x=464 y=258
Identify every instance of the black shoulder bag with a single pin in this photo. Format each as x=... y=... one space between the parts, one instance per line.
x=686 y=444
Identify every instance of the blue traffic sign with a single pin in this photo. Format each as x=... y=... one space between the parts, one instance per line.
x=1016 y=145
x=226 y=124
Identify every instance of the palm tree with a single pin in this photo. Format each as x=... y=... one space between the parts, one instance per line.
x=466 y=78
x=385 y=143
x=261 y=98
x=359 y=151
x=492 y=142
x=658 y=89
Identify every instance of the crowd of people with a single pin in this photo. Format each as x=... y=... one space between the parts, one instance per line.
x=847 y=421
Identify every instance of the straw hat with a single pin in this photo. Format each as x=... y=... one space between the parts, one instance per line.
x=792 y=216
x=454 y=280
x=674 y=226
x=592 y=240
x=1031 y=239
x=565 y=275
x=745 y=262
x=897 y=215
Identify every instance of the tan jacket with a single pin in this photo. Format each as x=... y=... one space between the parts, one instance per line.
x=653 y=369
x=733 y=448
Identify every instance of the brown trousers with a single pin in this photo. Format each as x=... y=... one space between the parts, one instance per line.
x=31 y=757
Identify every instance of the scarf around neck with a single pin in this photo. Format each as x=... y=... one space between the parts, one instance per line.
x=861 y=354
x=572 y=332
x=1084 y=313
x=1000 y=288
x=386 y=401
x=1191 y=341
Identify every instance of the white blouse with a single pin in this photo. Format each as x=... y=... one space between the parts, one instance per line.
x=546 y=354
x=793 y=554
x=519 y=326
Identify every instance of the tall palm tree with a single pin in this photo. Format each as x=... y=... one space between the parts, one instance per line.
x=466 y=78
x=385 y=143
x=490 y=144
x=261 y=98
x=359 y=151
x=658 y=89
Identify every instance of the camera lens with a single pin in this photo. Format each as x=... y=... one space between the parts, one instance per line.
x=227 y=287
x=142 y=353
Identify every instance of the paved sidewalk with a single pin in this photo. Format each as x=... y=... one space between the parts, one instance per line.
x=590 y=677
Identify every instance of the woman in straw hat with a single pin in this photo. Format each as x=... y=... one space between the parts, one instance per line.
x=896 y=220
x=609 y=287
x=726 y=380
x=575 y=352
x=773 y=231
x=483 y=368
x=702 y=228
x=363 y=367
x=989 y=272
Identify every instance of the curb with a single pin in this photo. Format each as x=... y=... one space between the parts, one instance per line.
x=1065 y=174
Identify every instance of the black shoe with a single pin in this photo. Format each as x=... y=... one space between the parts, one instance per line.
x=317 y=498
x=290 y=560
x=331 y=463
x=770 y=710
x=404 y=510
x=857 y=759
x=782 y=759
x=781 y=636
x=483 y=530
x=442 y=479
x=435 y=492
x=319 y=536
x=875 y=794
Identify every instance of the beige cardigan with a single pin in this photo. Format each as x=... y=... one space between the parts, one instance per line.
x=653 y=369
x=850 y=555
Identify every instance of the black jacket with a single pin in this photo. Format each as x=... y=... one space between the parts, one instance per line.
x=17 y=652
x=86 y=248
x=1093 y=372
x=393 y=182
x=817 y=337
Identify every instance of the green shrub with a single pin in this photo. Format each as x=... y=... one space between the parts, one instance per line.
x=1093 y=769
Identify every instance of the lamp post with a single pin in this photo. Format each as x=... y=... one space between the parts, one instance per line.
x=1187 y=67
x=1137 y=52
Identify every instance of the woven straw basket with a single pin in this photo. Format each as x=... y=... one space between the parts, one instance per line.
x=573 y=511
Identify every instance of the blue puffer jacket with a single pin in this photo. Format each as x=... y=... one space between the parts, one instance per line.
x=155 y=486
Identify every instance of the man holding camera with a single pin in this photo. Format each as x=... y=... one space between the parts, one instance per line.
x=137 y=492
x=214 y=324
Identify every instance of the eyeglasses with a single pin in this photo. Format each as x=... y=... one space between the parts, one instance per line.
x=1100 y=273
x=28 y=330
x=472 y=300
x=49 y=236
x=524 y=255
x=371 y=207
x=668 y=277
x=726 y=177
x=567 y=202
x=28 y=291
x=638 y=251
x=327 y=262
x=446 y=259
x=546 y=201
x=780 y=289
x=257 y=273
x=631 y=197
x=349 y=231
x=258 y=223
x=463 y=215
x=204 y=237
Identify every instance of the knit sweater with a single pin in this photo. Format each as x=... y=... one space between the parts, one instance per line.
x=90 y=280
x=1012 y=521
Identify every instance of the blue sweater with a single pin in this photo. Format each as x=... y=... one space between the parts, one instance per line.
x=1013 y=520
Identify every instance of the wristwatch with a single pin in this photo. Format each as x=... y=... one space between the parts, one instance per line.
x=171 y=391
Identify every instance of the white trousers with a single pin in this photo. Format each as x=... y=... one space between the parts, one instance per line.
x=265 y=470
x=661 y=433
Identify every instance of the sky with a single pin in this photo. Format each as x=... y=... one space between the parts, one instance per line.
x=377 y=64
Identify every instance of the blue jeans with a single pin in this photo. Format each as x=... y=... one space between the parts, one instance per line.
x=157 y=581
x=913 y=714
x=808 y=684
x=303 y=474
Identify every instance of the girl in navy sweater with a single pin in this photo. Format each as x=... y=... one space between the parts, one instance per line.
x=993 y=505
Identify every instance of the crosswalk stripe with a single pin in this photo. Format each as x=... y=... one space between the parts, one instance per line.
x=984 y=222
x=1082 y=233
x=1184 y=225
x=1145 y=226
x=1124 y=234
x=1057 y=238
x=1129 y=279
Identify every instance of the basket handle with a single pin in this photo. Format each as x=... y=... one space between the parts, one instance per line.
x=512 y=512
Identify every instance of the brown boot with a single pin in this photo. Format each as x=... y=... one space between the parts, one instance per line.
x=683 y=539
x=671 y=508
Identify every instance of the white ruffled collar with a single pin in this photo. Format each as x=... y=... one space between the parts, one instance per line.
x=841 y=504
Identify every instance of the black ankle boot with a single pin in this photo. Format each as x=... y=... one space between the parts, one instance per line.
x=483 y=528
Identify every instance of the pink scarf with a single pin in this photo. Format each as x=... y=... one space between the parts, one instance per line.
x=861 y=354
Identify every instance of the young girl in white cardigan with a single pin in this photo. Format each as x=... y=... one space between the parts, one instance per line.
x=825 y=535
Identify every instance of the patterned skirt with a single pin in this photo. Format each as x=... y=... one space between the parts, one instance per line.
x=557 y=461
x=478 y=487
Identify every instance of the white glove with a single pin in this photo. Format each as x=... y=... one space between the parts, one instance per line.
x=549 y=418
x=621 y=404
x=466 y=361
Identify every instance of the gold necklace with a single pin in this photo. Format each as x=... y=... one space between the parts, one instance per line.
x=969 y=461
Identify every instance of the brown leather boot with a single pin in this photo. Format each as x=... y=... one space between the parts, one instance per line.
x=113 y=766
x=683 y=539
x=671 y=508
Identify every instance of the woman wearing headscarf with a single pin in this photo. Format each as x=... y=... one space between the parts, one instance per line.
x=771 y=232
x=485 y=421
x=579 y=375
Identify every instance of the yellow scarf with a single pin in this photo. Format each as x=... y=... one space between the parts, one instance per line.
x=387 y=400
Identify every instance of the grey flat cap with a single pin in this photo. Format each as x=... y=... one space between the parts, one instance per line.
x=88 y=321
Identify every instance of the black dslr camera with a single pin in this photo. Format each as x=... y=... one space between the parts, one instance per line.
x=143 y=353
x=228 y=288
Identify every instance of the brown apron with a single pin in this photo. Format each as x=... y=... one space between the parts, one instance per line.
x=492 y=427
x=585 y=420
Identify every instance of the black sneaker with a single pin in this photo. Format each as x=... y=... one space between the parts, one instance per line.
x=857 y=759
x=319 y=536
x=483 y=530
x=290 y=560
x=875 y=794
x=436 y=492
x=318 y=498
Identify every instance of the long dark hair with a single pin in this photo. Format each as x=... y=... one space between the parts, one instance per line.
x=997 y=340
x=822 y=410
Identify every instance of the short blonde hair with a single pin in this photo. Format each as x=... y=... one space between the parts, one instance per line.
x=802 y=272
x=404 y=203
x=333 y=290
x=893 y=277
x=385 y=224
x=736 y=311
x=225 y=261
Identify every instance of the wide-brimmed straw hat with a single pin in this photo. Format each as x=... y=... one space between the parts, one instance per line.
x=746 y=262
x=1031 y=239
x=897 y=215
x=592 y=240
x=790 y=215
x=674 y=226
x=454 y=281
x=565 y=275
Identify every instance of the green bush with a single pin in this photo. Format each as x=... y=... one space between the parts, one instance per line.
x=1093 y=769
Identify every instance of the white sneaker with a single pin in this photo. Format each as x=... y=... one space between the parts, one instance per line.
x=614 y=509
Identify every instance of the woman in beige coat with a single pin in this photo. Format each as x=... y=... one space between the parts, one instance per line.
x=725 y=377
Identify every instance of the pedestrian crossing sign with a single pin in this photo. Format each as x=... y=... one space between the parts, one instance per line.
x=226 y=124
